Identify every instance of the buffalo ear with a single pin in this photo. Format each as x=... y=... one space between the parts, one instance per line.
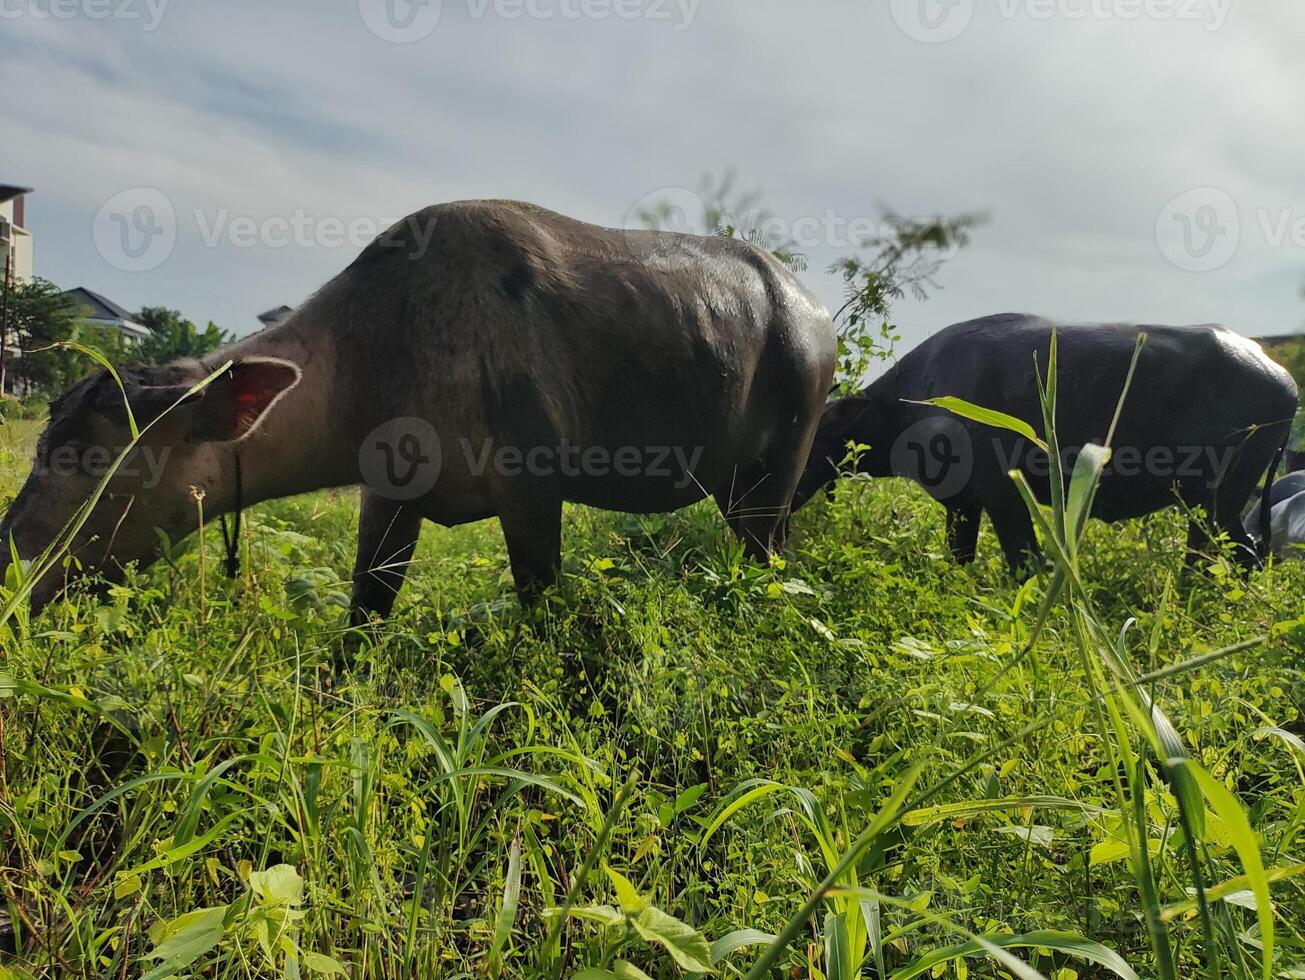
x=236 y=402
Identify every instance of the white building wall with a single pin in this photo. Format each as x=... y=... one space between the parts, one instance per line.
x=21 y=245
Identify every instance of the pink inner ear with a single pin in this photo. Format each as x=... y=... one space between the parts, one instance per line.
x=254 y=386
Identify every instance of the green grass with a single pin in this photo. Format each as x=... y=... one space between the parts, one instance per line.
x=166 y=751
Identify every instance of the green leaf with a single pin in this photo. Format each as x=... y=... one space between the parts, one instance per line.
x=949 y=811
x=1233 y=886
x=126 y=887
x=984 y=416
x=507 y=915
x=1247 y=844
x=838 y=948
x=1109 y=851
x=1088 y=467
x=626 y=896
x=280 y=885
x=324 y=964
x=737 y=940
x=603 y=914
x=185 y=939
x=685 y=944
x=622 y=970
x=185 y=850
x=1061 y=942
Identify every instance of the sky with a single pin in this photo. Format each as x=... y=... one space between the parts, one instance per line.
x=1137 y=159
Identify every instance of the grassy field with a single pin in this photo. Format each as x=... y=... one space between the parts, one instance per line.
x=677 y=746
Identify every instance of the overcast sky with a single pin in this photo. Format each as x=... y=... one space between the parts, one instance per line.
x=1139 y=159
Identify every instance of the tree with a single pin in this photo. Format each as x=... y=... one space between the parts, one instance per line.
x=905 y=255
x=173 y=336
x=40 y=317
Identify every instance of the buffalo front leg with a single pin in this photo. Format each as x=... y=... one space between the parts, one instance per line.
x=531 y=518
x=1010 y=519
x=387 y=538
x=963 y=530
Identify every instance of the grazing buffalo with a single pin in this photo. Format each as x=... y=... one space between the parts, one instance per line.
x=1286 y=537
x=480 y=359
x=1286 y=517
x=1207 y=413
x=1286 y=487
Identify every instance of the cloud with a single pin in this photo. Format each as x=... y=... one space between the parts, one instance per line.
x=1073 y=132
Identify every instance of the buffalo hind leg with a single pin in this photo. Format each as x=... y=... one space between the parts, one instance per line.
x=742 y=504
x=758 y=500
x=963 y=521
x=531 y=518
x=387 y=537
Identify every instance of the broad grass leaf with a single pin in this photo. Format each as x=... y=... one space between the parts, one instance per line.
x=1061 y=942
x=507 y=915
x=1247 y=844
x=737 y=940
x=838 y=948
x=1088 y=467
x=1233 y=886
x=985 y=416
x=951 y=811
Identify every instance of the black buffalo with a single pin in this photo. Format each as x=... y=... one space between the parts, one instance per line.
x=1207 y=414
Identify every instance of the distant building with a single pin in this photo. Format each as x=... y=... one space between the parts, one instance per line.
x=15 y=239
x=276 y=316
x=103 y=312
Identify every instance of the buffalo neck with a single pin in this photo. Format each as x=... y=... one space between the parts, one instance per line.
x=300 y=444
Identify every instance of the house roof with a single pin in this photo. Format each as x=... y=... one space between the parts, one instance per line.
x=9 y=191
x=106 y=310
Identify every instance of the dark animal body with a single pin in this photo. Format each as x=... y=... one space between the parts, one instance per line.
x=533 y=330
x=1206 y=416
x=480 y=359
